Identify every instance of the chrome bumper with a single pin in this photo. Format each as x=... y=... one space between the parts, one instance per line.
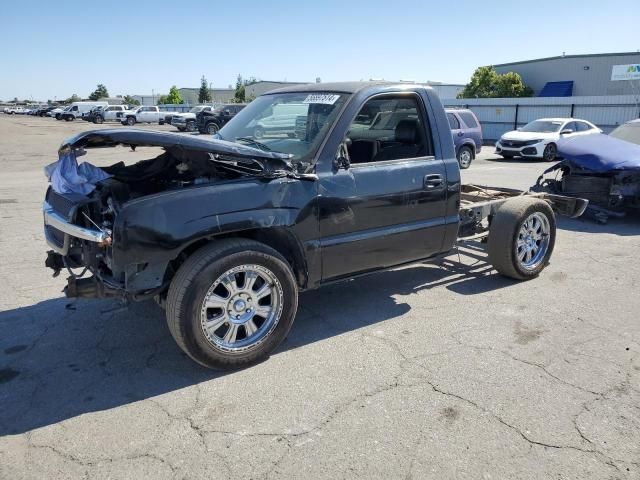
x=57 y=221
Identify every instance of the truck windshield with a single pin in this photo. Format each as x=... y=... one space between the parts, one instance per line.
x=542 y=126
x=293 y=123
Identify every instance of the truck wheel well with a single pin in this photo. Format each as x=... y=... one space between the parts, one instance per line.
x=277 y=238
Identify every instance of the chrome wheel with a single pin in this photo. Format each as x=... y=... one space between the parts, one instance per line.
x=464 y=158
x=241 y=308
x=532 y=242
x=212 y=128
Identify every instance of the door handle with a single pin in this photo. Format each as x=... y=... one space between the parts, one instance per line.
x=433 y=181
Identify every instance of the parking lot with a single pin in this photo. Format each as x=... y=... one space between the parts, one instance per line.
x=442 y=370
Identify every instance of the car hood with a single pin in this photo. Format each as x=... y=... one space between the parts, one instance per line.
x=525 y=136
x=136 y=137
x=599 y=153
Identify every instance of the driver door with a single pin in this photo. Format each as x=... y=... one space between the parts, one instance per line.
x=388 y=206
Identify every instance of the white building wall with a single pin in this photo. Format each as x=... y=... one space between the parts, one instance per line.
x=498 y=115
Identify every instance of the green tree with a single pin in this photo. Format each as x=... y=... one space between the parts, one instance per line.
x=72 y=98
x=204 y=95
x=129 y=100
x=99 y=92
x=174 y=96
x=487 y=83
x=239 y=96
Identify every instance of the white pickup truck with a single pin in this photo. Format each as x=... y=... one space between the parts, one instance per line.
x=142 y=115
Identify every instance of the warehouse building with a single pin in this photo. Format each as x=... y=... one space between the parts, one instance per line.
x=218 y=95
x=580 y=75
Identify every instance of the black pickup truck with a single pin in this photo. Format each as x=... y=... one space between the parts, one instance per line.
x=225 y=232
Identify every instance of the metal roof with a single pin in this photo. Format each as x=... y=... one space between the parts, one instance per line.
x=560 y=57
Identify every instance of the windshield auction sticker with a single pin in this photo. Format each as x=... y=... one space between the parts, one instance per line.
x=324 y=98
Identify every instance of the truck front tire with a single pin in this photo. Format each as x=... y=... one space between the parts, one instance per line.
x=232 y=303
x=522 y=235
x=131 y=121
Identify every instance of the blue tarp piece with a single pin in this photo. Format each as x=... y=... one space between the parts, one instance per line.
x=600 y=153
x=557 y=89
x=69 y=177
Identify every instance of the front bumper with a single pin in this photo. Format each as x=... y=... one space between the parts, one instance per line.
x=58 y=231
x=532 y=151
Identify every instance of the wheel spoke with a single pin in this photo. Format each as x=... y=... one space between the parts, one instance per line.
x=230 y=283
x=264 y=311
x=263 y=292
x=215 y=301
x=250 y=280
x=527 y=257
x=214 y=324
x=232 y=332
x=250 y=327
x=521 y=254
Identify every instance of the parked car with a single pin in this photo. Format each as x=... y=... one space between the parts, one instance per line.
x=281 y=120
x=145 y=114
x=56 y=112
x=15 y=110
x=467 y=135
x=539 y=139
x=187 y=121
x=225 y=232
x=43 y=111
x=211 y=122
x=112 y=113
x=605 y=169
x=76 y=109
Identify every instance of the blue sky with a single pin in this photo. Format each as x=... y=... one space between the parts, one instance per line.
x=56 y=48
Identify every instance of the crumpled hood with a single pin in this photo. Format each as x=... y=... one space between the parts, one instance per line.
x=526 y=136
x=149 y=138
x=599 y=153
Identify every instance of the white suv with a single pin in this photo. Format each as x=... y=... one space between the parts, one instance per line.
x=538 y=139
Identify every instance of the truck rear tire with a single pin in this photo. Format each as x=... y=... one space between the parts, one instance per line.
x=232 y=303
x=521 y=237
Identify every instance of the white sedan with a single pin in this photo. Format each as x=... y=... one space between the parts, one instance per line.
x=539 y=138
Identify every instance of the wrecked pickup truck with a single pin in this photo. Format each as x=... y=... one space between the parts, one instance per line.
x=225 y=232
x=604 y=169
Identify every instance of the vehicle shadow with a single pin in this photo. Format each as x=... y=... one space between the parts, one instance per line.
x=61 y=359
x=624 y=227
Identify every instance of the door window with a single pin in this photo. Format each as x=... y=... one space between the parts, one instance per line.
x=571 y=126
x=389 y=128
x=454 y=124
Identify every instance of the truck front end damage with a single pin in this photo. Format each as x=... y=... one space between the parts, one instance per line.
x=87 y=210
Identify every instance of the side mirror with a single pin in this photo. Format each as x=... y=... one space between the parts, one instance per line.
x=566 y=131
x=342 y=156
x=227 y=112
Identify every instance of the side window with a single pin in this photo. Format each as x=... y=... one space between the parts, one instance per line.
x=454 y=124
x=468 y=119
x=582 y=126
x=571 y=126
x=396 y=131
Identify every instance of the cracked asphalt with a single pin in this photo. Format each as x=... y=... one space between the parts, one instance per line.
x=437 y=371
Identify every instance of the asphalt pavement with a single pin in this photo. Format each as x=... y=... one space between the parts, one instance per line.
x=437 y=371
